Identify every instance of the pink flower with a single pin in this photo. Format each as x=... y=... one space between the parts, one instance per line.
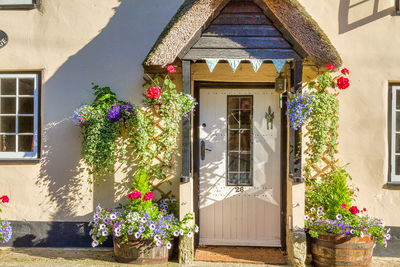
x=171 y=69
x=135 y=195
x=4 y=199
x=330 y=66
x=345 y=71
x=153 y=93
x=148 y=196
x=344 y=206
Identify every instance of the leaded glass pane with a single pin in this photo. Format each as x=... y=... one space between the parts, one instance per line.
x=240 y=124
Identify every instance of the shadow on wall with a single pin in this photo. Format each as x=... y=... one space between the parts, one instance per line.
x=362 y=12
x=112 y=58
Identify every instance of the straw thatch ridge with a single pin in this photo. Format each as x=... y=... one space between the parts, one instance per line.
x=194 y=15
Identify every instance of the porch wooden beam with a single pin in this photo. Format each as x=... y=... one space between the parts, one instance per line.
x=186 y=125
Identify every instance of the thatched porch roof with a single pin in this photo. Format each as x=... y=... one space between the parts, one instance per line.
x=288 y=16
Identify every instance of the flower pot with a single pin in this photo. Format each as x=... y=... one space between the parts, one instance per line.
x=334 y=250
x=139 y=251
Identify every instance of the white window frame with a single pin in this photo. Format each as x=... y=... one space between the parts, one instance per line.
x=35 y=153
x=393 y=177
x=18 y=4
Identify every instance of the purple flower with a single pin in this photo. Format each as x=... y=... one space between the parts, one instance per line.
x=118 y=110
x=95 y=243
x=137 y=235
x=169 y=246
x=299 y=109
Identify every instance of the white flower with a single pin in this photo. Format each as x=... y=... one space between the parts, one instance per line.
x=176 y=233
x=388 y=230
x=117 y=234
x=141 y=229
x=95 y=243
x=312 y=209
x=196 y=229
x=98 y=209
x=137 y=235
x=306 y=217
x=339 y=217
x=113 y=216
x=362 y=234
x=181 y=232
x=387 y=236
x=319 y=212
x=352 y=231
x=190 y=234
x=169 y=246
x=91 y=231
x=102 y=226
x=156 y=237
x=143 y=220
x=159 y=243
x=320 y=208
x=95 y=217
x=104 y=233
x=152 y=226
x=169 y=227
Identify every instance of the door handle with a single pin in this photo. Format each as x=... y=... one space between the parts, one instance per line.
x=203 y=149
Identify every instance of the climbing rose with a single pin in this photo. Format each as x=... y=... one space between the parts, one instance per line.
x=345 y=71
x=330 y=66
x=148 y=196
x=135 y=195
x=171 y=69
x=343 y=83
x=344 y=206
x=154 y=93
x=4 y=199
x=354 y=210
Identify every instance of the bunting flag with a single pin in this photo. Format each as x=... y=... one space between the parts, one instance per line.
x=256 y=63
x=234 y=63
x=279 y=63
x=211 y=63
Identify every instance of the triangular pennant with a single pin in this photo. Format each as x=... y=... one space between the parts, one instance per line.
x=279 y=63
x=234 y=63
x=211 y=63
x=256 y=63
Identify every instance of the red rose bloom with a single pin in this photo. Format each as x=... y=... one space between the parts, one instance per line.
x=354 y=210
x=135 y=195
x=148 y=196
x=343 y=83
x=330 y=66
x=153 y=93
x=171 y=69
x=4 y=199
x=345 y=71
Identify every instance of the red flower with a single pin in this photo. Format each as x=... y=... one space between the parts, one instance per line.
x=154 y=92
x=171 y=69
x=343 y=83
x=364 y=209
x=330 y=66
x=345 y=71
x=344 y=206
x=354 y=210
x=4 y=199
x=148 y=196
x=135 y=195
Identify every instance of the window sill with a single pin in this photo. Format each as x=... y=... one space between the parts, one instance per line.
x=392 y=185
x=18 y=161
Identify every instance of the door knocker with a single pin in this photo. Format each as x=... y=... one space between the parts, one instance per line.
x=269 y=116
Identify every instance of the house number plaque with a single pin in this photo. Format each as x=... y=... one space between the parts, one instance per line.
x=3 y=39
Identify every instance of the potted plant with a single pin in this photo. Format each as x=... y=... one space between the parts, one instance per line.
x=342 y=234
x=5 y=226
x=142 y=230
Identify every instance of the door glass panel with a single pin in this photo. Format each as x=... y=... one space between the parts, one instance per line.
x=240 y=154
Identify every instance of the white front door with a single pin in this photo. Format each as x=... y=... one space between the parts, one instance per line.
x=239 y=167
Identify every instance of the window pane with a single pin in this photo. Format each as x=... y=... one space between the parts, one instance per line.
x=8 y=86
x=245 y=119
x=233 y=140
x=7 y=124
x=7 y=105
x=233 y=178
x=233 y=103
x=245 y=163
x=7 y=143
x=397 y=167
x=245 y=103
x=245 y=140
x=25 y=143
x=397 y=99
x=234 y=120
x=26 y=86
x=233 y=161
x=25 y=124
x=25 y=105
x=245 y=178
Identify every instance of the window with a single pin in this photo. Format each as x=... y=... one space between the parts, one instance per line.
x=18 y=4
x=240 y=128
x=395 y=135
x=19 y=116
x=397 y=6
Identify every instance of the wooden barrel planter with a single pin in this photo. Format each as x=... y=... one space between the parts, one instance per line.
x=334 y=250
x=139 y=252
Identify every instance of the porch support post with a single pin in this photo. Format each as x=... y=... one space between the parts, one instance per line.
x=296 y=237
x=186 y=244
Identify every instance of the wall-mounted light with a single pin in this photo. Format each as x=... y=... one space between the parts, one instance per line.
x=280 y=84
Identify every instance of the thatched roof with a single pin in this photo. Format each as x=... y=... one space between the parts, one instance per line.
x=288 y=15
